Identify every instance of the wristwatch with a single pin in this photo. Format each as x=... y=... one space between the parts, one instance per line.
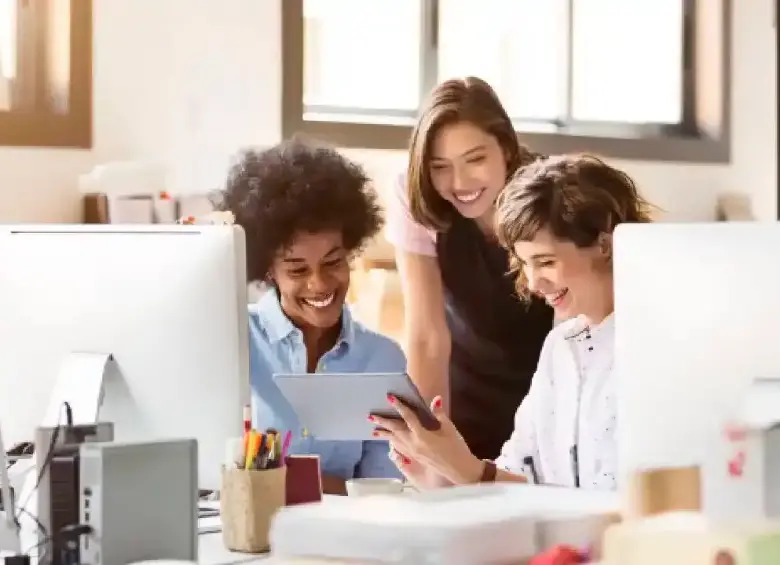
x=489 y=471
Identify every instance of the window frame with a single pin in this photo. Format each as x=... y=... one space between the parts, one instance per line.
x=704 y=136
x=73 y=129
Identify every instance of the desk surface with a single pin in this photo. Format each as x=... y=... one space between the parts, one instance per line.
x=211 y=551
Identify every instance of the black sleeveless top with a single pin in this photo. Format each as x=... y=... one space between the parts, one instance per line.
x=496 y=337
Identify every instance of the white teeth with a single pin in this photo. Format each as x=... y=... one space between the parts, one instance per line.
x=553 y=298
x=467 y=197
x=320 y=303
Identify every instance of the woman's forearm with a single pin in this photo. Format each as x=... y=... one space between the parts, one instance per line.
x=428 y=367
x=507 y=477
x=468 y=469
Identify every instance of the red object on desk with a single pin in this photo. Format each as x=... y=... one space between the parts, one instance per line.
x=302 y=483
x=247 y=415
x=559 y=555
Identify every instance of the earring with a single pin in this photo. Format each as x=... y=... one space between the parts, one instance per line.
x=605 y=245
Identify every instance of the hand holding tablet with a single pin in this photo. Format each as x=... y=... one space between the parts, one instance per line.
x=336 y=406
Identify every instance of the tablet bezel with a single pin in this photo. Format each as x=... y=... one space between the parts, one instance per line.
x=336 y=406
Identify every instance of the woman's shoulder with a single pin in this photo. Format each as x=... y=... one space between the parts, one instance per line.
x=401 y=230
x=567 y=329
x=267 y=322
x=560 y=333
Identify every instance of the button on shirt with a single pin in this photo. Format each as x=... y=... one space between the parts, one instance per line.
x=276 y=346
x=571 y=403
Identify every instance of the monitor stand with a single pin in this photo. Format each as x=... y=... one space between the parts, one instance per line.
x=9 y=527
x=79 y=382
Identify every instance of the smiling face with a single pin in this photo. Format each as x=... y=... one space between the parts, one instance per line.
x=573 y=280
x=467 y=168
x=312 y=277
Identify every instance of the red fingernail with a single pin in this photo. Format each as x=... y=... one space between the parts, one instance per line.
x=371 y=418
x=375 y=433
x=437 y=403
x=391 y=399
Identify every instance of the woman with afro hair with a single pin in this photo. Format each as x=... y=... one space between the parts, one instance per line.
x=306 y=211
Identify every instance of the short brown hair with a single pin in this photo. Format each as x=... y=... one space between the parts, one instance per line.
x=577 y=197
x=469 y=100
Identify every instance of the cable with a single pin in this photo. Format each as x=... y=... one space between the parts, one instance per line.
x=77 y=529
x=74 y=530
x=68 y=414
x=41 y=529
x=49 y=454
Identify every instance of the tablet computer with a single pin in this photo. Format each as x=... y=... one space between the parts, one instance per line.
x=336 y=406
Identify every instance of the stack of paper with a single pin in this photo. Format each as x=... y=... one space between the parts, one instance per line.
x=471 y=525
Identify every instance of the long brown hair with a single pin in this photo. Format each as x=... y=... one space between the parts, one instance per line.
x=578 y=198
x=469 y=100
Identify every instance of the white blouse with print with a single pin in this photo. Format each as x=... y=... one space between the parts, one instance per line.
x=565 y=428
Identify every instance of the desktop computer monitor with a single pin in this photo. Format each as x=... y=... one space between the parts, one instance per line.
x=167 y=302
x=696 y=318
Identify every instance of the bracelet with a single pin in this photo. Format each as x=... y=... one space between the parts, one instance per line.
x=489 y=471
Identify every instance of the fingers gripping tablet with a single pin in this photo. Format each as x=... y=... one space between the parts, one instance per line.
x=336 y=406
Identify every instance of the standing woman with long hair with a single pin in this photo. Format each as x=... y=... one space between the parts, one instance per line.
x=469 y=338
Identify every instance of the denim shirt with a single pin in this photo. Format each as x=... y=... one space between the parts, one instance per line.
x=276 y=346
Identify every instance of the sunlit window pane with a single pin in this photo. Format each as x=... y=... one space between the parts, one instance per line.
x=626 y=56
x=518 y=46
x=7 y=51
x=34 y=75
x=627 y=60
x=58 y=55
x=362 y=54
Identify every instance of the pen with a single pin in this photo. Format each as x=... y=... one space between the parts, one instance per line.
x=247 y=418
x=270 y=451
x=257 y=462
x=575 y=465
x=251 y=451
x=285 y=446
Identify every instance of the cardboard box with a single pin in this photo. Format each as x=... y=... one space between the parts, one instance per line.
x=688 y=538
x=656 y=491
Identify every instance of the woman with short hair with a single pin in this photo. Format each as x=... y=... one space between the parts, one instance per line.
x=556 y=218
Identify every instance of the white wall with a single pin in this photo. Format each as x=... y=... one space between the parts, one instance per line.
x=186 y=82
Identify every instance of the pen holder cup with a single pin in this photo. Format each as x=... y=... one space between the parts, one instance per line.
x=303 y=479
x=248 y=501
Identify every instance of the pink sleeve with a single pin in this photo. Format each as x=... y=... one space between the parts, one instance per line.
x=401 y=230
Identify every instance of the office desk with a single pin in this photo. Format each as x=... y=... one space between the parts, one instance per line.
x=211 y=551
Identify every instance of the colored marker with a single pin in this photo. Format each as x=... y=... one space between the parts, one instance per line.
x=285 y=446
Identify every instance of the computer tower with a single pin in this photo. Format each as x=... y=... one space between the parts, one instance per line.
x=141 y=501
x=57 y=465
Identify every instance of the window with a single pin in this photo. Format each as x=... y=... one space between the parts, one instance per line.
x=644 y=79
x=46 y=73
